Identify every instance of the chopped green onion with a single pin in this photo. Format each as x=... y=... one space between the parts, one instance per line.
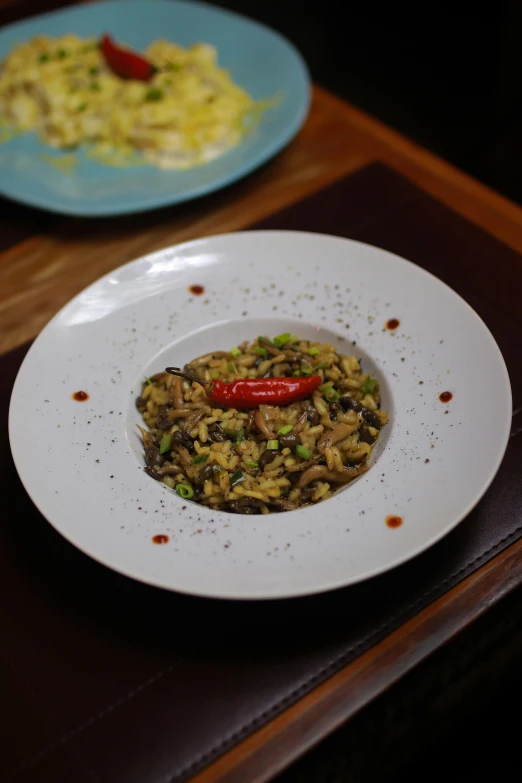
x=62 y=53
x=303 y=452
x=154 y=95
x=236 y=435
x=235 y=352
x=321 y=365
x=330 y=393
x=296 y=374
x=313 y=351
x=266 y=341
x=95 y=87
x=282 y=339
x=217 y=468
x=44 y=57
x=231 y=367
x=237 y=478
x=165 y=443
x=285 y=430
x=306 y=369
x=94 y=70
x=200 y=459
x=273 y=444
x=369 y=385
x=172 y=66
x=82 y=107
x=249 y=464
x=294 y=347
x=148 y=380
x=213 y=374
x=185 y=491
x=260 y=351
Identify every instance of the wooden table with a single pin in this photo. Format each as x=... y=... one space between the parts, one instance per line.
x=39 y=274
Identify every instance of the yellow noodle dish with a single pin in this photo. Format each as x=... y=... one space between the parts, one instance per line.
x=174 y=106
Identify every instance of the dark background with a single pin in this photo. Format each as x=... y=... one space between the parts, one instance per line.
x=447 y=75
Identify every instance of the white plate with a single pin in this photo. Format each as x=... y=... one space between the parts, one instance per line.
x=82 y=464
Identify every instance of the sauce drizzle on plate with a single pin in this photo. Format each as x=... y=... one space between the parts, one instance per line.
x=80 y=396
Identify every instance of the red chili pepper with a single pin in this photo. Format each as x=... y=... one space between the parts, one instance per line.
x=125 y=63
x=252 y=392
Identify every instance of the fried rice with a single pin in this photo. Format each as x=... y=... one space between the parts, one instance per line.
x=272 y=458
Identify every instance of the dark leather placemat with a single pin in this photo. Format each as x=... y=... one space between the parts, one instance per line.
x=104 y=679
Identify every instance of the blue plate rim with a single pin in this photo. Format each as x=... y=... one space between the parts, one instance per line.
x=148 y=204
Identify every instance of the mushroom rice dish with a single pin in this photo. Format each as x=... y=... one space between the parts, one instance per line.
x=270 y=425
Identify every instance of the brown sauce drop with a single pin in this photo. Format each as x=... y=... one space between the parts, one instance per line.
x=392 y=521
x=197 y=290
x=445 y=396
x=393 y=323
x=160 y=539
x=80 y=396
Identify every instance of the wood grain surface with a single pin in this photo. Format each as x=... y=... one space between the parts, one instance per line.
x=40 y=274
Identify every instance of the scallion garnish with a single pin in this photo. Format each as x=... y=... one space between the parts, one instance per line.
x=282 y=339
x=369 y=385
x=273 y=445
x=237 y=478
x=200 y=459
x=285 y=430
x=185 y=491
x=330 y=393
x=165 y=443
x=154 y=95
x=303 y=452
x=266 y=341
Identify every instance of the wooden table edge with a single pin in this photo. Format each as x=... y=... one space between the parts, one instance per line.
x=421 y=156
x=285 y=738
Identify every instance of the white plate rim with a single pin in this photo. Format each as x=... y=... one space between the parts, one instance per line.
x=325 y=587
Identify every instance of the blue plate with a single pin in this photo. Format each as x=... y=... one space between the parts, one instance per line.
x=259 y=59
